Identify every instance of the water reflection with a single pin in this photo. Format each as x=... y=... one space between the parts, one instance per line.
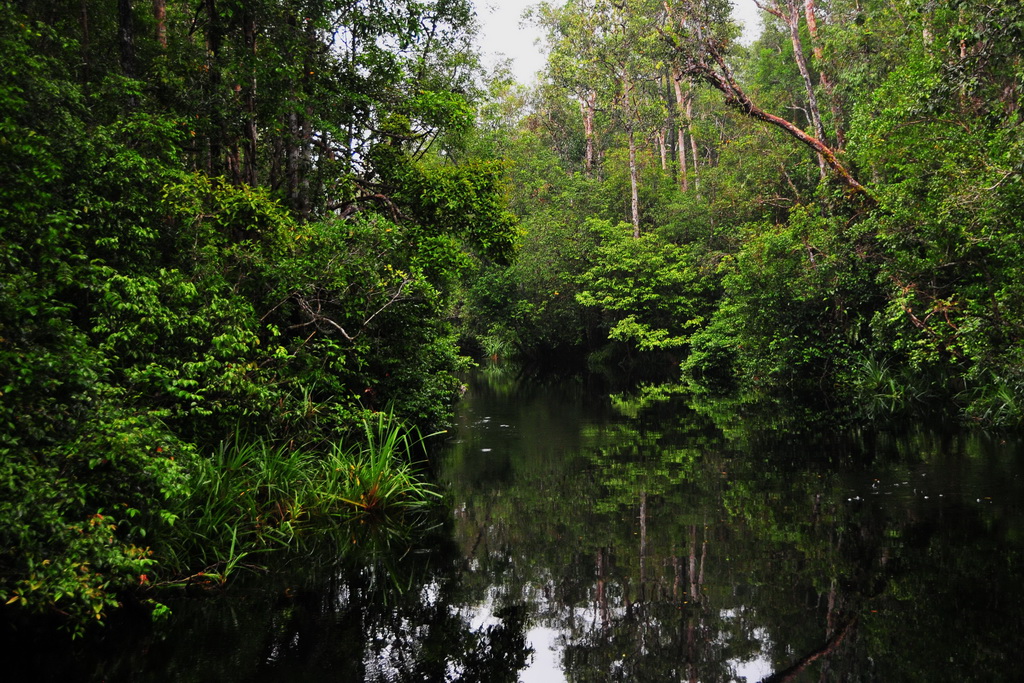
x=668 y=545
x=638 y=539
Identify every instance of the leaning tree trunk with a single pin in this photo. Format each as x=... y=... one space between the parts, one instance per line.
x=736 y=97
x=826 y=82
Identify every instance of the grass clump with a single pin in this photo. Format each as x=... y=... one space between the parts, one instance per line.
x=377 y=479
x=254 y=495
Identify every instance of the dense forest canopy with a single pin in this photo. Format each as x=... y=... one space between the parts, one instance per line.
x=263 y=222
x=833 y=211
x=220 y=220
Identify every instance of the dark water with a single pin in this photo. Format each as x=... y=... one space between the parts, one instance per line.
x=591 y=538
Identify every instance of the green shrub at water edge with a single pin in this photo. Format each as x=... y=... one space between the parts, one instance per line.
x=255 y=495
x=377 y=479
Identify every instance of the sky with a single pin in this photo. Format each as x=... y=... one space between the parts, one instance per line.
x=502 y=33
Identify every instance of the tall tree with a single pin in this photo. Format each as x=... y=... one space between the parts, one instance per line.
x=790 y=12
x=603 y=49
x=701 y=44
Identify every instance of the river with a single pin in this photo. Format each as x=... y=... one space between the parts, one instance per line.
x=589 y=537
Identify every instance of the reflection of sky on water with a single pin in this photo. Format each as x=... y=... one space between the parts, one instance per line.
x=755 y=668
x=561 y=504
x=545 y=666
x=584 y=546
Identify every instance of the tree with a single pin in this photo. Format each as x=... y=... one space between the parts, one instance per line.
x=602 y=51
x=699 y=38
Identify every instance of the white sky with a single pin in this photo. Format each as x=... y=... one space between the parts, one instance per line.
x=502 y=33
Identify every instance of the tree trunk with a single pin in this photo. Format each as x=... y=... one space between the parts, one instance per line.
x=792 y=18
x=84 y=18
x=684 y=123
x=693 y=143
x=160 y=17
x=249 y=170
x=735 y=97
x=823 y=79
x=216 y=136
x=292 y=156
x=789 y=13
x=792 y=672
x=589 y=106
x=634 y=184
x=643 y=541
x=126 y=37
x=601 y=597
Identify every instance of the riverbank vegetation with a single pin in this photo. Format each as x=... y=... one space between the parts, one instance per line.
x=831 y=213
x=230 y=240
x=236 y=233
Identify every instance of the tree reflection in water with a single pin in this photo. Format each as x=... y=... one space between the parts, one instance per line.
x=709 y=545
x=640 y=539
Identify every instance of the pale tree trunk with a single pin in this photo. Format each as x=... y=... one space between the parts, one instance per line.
x=643 y=538
x=714 y=71
x=789 y=13
x=665 y=133
x=663 y=148
x=793 y=21
x=693 y=144
x=634 y=184
x=826 y=82
x=602 y=597
x=588 y=106
x=292 y=159
x=685 y=104
x=681 y=154
x=677 y=78
x=696 y=580
x=634 y=173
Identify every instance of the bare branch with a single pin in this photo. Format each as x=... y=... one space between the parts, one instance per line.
x=774 y=9
x=702 y=60
x=393 y=299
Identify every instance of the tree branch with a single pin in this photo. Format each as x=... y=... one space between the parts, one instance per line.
x=705 y=63
x=790 y=673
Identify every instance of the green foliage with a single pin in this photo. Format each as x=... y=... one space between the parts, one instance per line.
x=648 y=290
x=232 y=226
x=80 y=515
x=796 y=298
x=466 y=202
x=252 y=495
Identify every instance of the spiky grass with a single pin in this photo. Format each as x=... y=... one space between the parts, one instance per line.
x=379 y=478
x=253 y=495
